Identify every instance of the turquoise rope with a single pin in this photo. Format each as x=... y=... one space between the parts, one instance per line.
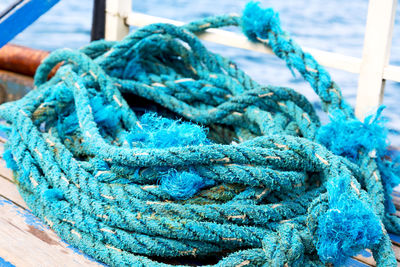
x=140 y=190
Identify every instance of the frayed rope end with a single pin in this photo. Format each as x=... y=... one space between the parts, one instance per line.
x=345 y=229
x=182 y=185
x=158 y=132
x=347 y=137
x=256 y=21
x=9 y=158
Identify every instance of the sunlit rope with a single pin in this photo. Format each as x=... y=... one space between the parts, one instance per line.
x=132 y=189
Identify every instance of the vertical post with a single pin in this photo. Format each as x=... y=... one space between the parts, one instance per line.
x=98 y=20
x=376 y=53
x=117 y=12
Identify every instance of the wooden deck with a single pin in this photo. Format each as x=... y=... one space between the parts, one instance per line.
x=26 y=241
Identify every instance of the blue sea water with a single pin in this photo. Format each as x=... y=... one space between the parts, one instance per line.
x=335 y=26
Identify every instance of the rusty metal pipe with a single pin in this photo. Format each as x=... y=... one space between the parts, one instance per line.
x=21 y=59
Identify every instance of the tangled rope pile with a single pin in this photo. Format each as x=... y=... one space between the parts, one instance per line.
x=262 y=184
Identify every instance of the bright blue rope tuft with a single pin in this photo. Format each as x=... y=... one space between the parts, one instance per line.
x=245 y=176
x=345 y=137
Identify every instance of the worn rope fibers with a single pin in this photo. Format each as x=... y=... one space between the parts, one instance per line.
x=130 y=189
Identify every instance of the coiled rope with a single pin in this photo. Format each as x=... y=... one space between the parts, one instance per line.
x=133 y=190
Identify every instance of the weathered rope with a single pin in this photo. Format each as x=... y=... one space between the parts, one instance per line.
x=264 y=185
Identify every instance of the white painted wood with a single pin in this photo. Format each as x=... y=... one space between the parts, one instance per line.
x=10 y=191
x=117 y=12
x=376 y=52
x=391 y=73
x=328 y=59
x=25 y=241
x=4 y=171
x=347 y=63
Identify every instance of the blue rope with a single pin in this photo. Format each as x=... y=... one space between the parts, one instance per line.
x=247 y=176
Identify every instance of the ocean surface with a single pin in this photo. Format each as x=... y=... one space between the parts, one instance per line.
x=335 y=26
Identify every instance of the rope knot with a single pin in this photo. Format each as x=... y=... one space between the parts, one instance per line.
x=256 y=21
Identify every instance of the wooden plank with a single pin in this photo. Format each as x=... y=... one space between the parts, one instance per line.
x=4 y=171
x=20 y=16
x=396 y=202
x=116 y=13
x=366 y=257
x=355 y=263
x=376 y=52
x=395 y=239
x=396 y=250
x=391 y=73
x=26 y=241
x=8 y=190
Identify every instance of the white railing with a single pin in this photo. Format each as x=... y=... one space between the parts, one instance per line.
x=373 y=67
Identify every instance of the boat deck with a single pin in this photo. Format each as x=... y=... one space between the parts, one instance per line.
x=26 y=241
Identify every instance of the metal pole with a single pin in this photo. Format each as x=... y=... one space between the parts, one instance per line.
x=98 y=20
